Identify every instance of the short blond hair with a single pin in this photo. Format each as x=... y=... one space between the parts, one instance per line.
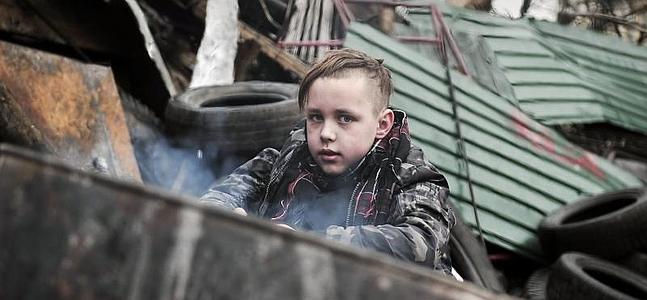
x=344 y=62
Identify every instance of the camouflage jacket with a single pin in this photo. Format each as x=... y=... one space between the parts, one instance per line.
x=413 y=223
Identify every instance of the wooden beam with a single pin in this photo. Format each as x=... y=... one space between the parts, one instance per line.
x=387 y=18
x=273 y=51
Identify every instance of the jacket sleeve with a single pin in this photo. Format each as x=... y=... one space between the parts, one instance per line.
x=244 y=185
x=418 y=229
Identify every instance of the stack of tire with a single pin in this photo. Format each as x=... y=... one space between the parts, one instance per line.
x=229 y=124
x=600 y=244
x=244 y=117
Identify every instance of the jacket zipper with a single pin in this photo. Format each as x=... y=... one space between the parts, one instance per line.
x=264 y=204
x=350 y=204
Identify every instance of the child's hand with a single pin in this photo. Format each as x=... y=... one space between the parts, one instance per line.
x=284 y=226
x=240 y=211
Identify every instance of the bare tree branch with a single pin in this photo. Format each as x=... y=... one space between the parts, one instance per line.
x=619 y=20
x=525 y=6
x=638 y=10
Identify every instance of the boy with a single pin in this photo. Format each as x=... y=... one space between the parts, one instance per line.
x=351 y=174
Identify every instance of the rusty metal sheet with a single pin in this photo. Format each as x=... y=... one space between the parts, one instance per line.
x=66 y=234
x=65 y=107
x=93 y=31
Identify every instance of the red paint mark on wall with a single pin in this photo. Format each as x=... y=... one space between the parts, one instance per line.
x=543 y=141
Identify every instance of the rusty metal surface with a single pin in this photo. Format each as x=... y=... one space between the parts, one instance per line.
x=64 y=107
x=66 y=234
x=91 y=31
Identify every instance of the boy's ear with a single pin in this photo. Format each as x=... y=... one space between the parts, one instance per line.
x=384 y=123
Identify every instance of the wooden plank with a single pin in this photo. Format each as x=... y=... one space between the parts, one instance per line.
x=269 y=48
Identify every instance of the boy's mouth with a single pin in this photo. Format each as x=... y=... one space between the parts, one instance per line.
x=327 y=155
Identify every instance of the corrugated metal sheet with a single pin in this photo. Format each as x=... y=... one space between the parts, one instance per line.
x=520 y=169
x=558 y=74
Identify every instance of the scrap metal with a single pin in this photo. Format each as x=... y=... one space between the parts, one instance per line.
x=64 y=107
x=70 y=235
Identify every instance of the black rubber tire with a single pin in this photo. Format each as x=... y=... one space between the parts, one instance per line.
x=579 y=276
x=609 y=225
x=244 y=117
x=535 y=288
x=470 y=259
x=636 y=262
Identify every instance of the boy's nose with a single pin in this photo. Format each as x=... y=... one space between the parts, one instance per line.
x=327 y=133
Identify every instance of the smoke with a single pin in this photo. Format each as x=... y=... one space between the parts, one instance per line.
x=183 y=168
x=175 y=163
x=316 y=204
x=173 y=168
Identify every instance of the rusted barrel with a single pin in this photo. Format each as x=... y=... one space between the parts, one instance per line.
x=66 y=234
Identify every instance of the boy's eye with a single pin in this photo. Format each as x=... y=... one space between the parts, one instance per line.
x=345 y=119
x=315 y=118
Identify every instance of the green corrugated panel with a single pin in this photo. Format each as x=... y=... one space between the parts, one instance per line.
x=520 y=169
x=524 y=62
x=518 y=47
x=556 y=63
x=594 y=40
x=496 y=31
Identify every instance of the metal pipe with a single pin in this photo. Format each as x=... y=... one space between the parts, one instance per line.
x=450 y=38
x=392 y=3
x=345 y=20
x=439 y=35
x=349 y=13
x=336 y=43
x=417 y=39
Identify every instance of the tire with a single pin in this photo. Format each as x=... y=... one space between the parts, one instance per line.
x=636 y=262
x=470 y=259
x=535 y=288
x=244 y=117
x=609 y=225
x=579 y=276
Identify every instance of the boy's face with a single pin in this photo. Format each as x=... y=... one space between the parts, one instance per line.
x=342 y=123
